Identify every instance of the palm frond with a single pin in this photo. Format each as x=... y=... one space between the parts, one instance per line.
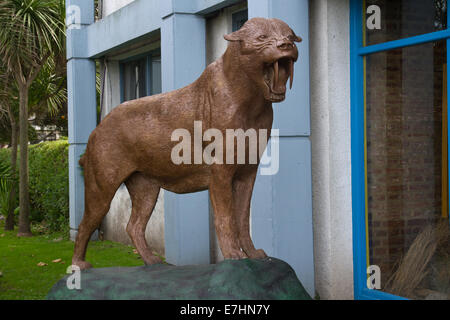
x=49 y=91
x=29 y=30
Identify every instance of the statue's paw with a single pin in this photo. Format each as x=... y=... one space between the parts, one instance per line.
x=83 y=265
x=237 y=255
x=151 y=260
x=257 y=254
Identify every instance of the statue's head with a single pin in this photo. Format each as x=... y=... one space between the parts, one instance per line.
x=265 y=50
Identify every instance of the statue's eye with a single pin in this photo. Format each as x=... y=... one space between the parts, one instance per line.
x=262 y=37
x=291 y=38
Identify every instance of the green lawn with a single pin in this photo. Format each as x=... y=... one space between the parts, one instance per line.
x=21 y=277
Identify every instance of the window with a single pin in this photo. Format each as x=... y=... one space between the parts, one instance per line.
x=140 y=76
x=238 y=19
x=400 y=149
x=134 y=79
x=404 y=18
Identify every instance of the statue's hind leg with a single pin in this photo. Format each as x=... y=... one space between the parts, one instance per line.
x=144 y=194
x=96 y=207
x=101 y=184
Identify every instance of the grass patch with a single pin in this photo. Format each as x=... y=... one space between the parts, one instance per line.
x=23 y=279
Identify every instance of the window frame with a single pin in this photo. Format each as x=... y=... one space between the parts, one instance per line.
x=358 y=139
x=148 y=71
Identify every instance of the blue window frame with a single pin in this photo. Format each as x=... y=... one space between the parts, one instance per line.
x=358 y=52
x=140 y=76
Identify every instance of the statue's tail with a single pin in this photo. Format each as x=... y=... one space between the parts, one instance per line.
x=82 y=160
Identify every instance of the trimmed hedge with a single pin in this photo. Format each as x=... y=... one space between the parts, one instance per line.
x=48 y=182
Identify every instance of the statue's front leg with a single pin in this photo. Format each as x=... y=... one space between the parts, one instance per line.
x=225 y=223
x=242 y=195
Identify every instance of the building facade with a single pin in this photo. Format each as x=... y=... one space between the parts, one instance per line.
x=362 y=183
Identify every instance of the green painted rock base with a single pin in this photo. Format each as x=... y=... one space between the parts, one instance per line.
x=267 y=279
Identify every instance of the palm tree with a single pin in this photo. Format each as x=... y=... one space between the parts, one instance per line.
x=48 y=92
x=31 y=31
x=47 y=95
x=8 y=107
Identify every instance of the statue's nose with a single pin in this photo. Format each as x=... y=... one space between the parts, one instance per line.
x=284 y=44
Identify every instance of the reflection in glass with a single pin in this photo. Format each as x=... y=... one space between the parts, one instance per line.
x=405 y=18
x=407 y=185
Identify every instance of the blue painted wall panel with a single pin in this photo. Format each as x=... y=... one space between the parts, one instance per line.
x=183 y=59
x=82 y=118
x=292 y=202
x=79 y=12
x=282 y=209
x=82 y=104
x=262 y=214
x=183 y=50
x=169 y=7
x=282 y=203
x=138 y=19
x=208 y=6
x=76 y=186
x=259 y=8
x=76 y=44
x=186 y=228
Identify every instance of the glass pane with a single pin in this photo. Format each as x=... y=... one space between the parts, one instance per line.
x=129 y=81
x=156 y=75
x=398 y=19
x=134 y=79
x=407 y=179
x=239 y=19
x=141 y=71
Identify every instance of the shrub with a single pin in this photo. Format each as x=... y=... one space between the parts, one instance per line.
x=48 y=183
x=6 y=184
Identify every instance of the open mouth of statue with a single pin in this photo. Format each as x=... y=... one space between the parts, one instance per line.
x=276 y=76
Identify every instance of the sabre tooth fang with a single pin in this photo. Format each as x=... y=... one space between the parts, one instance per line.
x=276 y=70
x=291 y=72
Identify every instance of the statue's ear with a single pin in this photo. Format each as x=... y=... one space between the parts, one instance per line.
x=296 y=38
x=235 y=36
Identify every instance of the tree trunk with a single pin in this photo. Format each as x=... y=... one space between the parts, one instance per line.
x=9 y=223
x=24 y=196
